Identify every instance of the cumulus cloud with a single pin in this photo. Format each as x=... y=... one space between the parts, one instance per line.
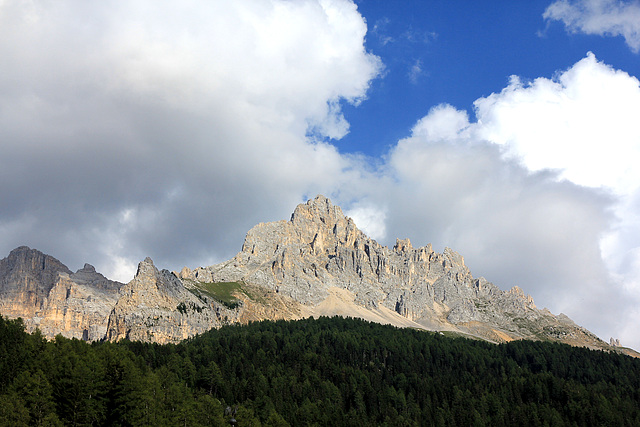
x=130 y=129
x=601 y=17
x=583 y=125
x=513 y=226
x=541 y=191
x=537 y=122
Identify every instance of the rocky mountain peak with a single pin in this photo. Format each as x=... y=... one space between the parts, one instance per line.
x=319 y=210
x=24 y=257
x=320 y=220
x=322 y=260
x=403 y=245
x=33 y=271
x=156 y=306
x=149 y=282
x=47 y=295
x=146 y=269
x=88 y=275
x=88 y=268
x=453 y=257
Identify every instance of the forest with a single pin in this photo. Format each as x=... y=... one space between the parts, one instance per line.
x=326 y=371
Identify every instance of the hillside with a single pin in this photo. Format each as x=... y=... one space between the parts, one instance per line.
x=327 y=371
x=318 y=263
x=321 y=260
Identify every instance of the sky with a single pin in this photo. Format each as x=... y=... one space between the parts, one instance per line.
x=507 y=131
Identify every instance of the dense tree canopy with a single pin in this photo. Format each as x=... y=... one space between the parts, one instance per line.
x=327 y=371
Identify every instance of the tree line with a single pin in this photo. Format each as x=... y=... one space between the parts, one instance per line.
x=326 y=371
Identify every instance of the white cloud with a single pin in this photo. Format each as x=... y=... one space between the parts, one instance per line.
x=541 y=191
x=369 y=218
x=513 y=226
x=582 y=123
x=444 y=122
x=379 y=29
x=415 y=71
x=190 y=116
x=601 y=17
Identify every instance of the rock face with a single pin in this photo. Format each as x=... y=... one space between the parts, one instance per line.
x=147 y=309
x=156 y=306
x=320 y=250
x=317 y=263
x=47 y=295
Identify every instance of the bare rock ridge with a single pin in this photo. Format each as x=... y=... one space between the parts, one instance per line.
x=320 y=255
x=148 y=309
x=317 y=263
x=156 y=306
x=47 y=295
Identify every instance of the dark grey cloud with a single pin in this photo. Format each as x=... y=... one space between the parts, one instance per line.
x=133 y=130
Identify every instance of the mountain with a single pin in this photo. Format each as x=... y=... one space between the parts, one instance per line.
x=320 y=259
x=47 y=295
x=317 y=263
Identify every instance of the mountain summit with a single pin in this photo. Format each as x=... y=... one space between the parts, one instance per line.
x=320 y=259
x=317 y=263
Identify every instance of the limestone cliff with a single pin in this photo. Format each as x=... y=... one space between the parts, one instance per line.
x=48 y=296
x=148 y=309
x=155 y=306
x=322 y=260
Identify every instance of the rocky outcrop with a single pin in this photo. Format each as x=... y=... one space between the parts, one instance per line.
x=320 y=249
x=48 y=296
x=156 y=306
x=79 y=305
x=148 y=309
x=26 y=277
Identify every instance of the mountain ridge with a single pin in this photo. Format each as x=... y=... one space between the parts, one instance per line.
x=316 y=263
x=320 y=248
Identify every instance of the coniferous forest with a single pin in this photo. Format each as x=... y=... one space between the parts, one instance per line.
x=327 y=371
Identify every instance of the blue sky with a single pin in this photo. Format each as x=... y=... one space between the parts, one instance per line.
x=507 y=131
x=464 y=50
